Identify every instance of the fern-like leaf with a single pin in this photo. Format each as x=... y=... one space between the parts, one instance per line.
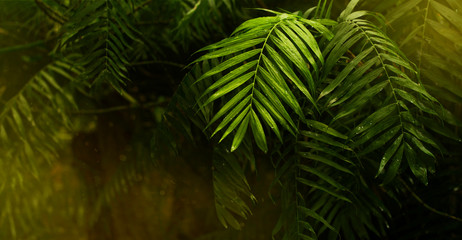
x=330 y=169
x=433 y=43
x=229 y=183
x=102 y=32
x=258 y=83
x=380 y=67
x=40 y=105
x=31 y=126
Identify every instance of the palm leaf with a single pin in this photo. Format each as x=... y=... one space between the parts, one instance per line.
x=31 y=128
x=101 y=31
x=257 y=76
x=433 y=43
x=393 y=119
x=229 y=183
x=328 y=168
x=197 y=19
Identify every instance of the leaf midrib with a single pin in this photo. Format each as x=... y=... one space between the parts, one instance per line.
x=387 y=75
x=258 y=62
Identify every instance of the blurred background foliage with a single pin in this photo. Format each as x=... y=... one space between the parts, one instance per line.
x=84 y=86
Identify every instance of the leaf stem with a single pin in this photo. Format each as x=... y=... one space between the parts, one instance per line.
x=387 y=75
x=179 y=65
x=141 y=6
x=120 y=108
x=22 y=47
x=422 y=45
x=428 y=206
x=259 y=59
x=50 y=12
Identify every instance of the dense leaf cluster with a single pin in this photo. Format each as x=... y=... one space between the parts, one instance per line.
x=348 y=111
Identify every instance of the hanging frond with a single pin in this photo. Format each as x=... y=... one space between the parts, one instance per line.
x=102 y=32
x=199 y=19
x=31 y=205
x=324 y=153
x=324 y=190
x=229 y=183
x=272 y=74
x=255 y=79
x=291 y=223
x=347 y=111
x=229 y=180
x=330 y=168
x=433 y=42
x=182 y=116
x=379 y=77
x=32 y=131
x=38 y=111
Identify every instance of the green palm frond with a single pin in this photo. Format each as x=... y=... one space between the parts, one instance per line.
x=364 y=218
x=441 y=58
x=198 y=19
x=291 y=223
x=321 y=155
x=299 y=220
x=229 y=183
x=381 y=76
x=32 y=131
x=40 y=105
x=433 y=42
x=330 y=166
x=326 y=187
x=346 y=116
x=196 y=14
x=102 y=32
x=272 y=66
x=254 y=77
x=182 y=116
x=30 y=204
